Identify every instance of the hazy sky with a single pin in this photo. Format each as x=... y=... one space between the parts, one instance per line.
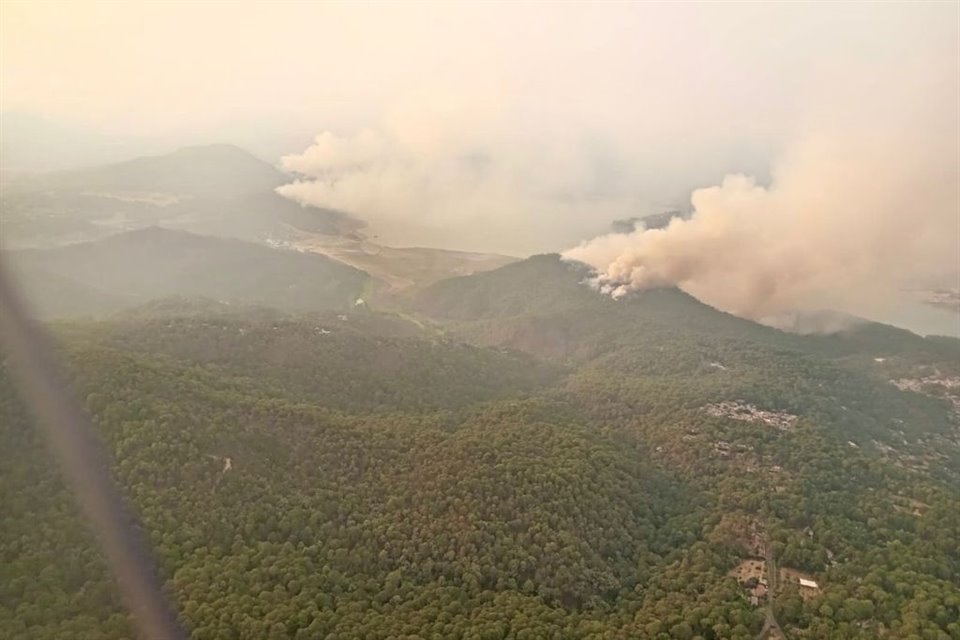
x=516 y=127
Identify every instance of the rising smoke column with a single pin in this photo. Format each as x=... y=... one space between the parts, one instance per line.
x=852 y=215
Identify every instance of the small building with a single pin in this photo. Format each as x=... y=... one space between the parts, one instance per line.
x=809 y=584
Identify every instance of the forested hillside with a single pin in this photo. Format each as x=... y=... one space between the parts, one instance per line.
x=129 y=268
x=518 y=458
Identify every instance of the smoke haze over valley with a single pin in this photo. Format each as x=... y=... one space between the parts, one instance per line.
x=475 y=320
x=818 y=176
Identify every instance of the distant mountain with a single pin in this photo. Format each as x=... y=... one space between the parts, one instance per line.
x=217 y=189
x=32 y=143
x=137 y=266
x=219 y=170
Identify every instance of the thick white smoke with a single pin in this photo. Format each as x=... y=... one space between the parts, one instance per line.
x=857 y=210
x=460 y=169
x=856 y=142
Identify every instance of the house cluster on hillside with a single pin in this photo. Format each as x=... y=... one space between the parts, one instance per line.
x=737 y=410
x=949 y=387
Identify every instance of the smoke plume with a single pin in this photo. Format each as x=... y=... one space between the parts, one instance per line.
x=853 y=144
x=452 y=169
x=856 y=211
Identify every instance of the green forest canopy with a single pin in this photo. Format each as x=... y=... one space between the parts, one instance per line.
x=544 y=470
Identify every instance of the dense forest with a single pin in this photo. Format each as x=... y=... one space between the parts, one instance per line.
x=507 y=456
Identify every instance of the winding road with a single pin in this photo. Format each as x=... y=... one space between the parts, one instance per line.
x=771 y=628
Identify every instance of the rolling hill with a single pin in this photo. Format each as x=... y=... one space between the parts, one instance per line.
x=545 y=299
x=217 y=171
x=541 y=306
x=137 y=266
x=546 y=288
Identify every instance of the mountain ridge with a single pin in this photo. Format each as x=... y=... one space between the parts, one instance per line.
x=153 y=262
x=198 y=171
